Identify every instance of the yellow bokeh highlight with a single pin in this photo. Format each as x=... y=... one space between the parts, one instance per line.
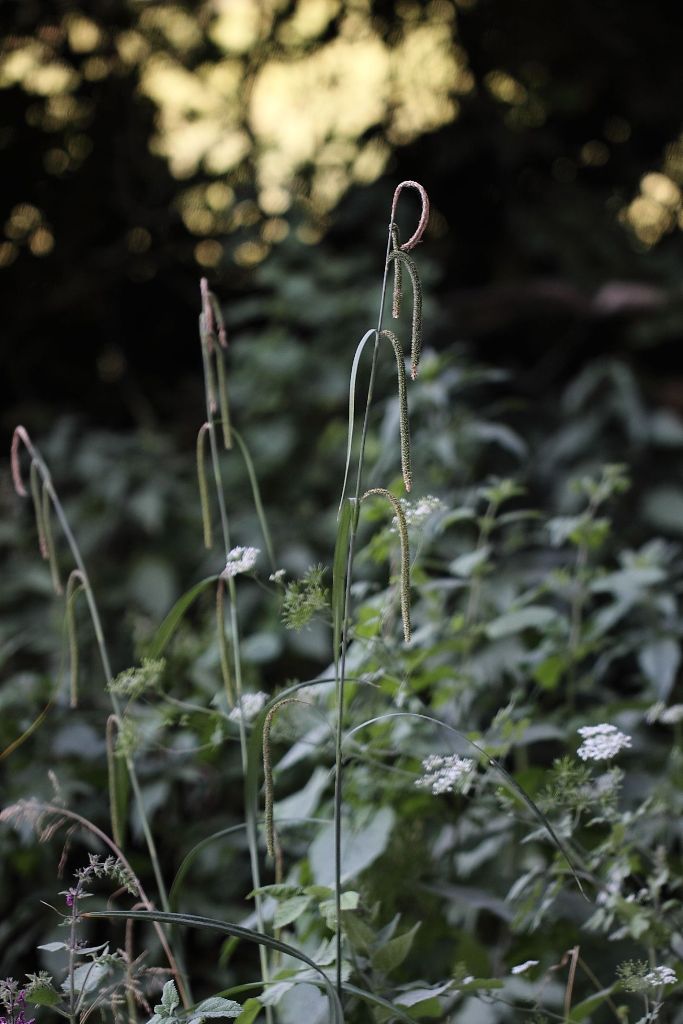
x=83 y=34
x=208 y=253
x=41 y=242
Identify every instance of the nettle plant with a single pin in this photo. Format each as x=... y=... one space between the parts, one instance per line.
x=492 y=760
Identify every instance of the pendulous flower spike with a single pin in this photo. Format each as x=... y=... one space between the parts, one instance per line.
x=405 y=555
x=424 y=213
x=271 y=836
x=75 y=582
x=203 y=487
x=19 y=437
x=34 y=478
x=416 y=335
x=398 y=275
x=404 y=425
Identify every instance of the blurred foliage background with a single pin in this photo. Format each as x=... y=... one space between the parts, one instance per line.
x=258 y=142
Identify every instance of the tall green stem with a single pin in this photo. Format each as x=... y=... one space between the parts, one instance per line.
x=341 y=675
x=250 y=818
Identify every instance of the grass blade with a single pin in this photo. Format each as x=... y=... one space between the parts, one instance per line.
x=256 y=493
x=161 y=638
x=352 y=406
x=341 y=554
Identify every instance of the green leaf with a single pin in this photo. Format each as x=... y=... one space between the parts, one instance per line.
x=250 y=1012
x=352 y=405
x=215 y=1006
x=170 y=1000
x=52 y=947
x=360 y=849
x=290 y=910
x=359 y=934
x=531 y=617
x=659 y=662
x=161 y=638
x=43 y=995
x=392 y=954
x=585 y=1008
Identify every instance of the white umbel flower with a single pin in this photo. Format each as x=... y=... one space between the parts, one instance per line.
x=601 y=742
x=240 y=560
x=248 y=707
x=416 y=512
x=277 y=576
x=521 y=968
x=444 y=773
x=660 y=976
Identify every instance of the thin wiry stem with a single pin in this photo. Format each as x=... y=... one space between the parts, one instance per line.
x=205 y=320
x=341 y=669
x=21 y=436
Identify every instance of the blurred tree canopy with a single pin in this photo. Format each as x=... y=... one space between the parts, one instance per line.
x=145 y=143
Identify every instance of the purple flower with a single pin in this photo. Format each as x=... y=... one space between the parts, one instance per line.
x=71 y=895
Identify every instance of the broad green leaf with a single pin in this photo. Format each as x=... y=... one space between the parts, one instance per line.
x=52 y=947
x=215 y=1006
x=413 y=997
x=161 y=638
x=659 y=662
x=585 y=1008
x=44 y=995
x=250 y=1011
x=359 y=934
x=303 y=1004
x=170 y=999
x=466 y=565
x=531 y=617
x=359 y=849
x=290 y=910
x=391 y=955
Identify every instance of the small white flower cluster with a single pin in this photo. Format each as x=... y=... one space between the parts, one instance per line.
x=445 y=773
x=277 y=576
x=521 y=968
x=416 y=512
x=240 y=560
x=601 y=742
x=660 y=976
x=248 y=707
x=660 y=713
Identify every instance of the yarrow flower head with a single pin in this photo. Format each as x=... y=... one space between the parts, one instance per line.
x=660 y=976
x=240 y=560
x=416 y=512
x=248 y=707
x=601 y=742
x=444 y=773
x=522 y=968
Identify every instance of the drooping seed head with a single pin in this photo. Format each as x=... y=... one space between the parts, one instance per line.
x=424 y=213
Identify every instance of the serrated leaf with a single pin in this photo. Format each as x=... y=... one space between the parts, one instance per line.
x=44 y=995
x=392 y=955
x=290 y=910
x=170 y=1000
x=215 y=1006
